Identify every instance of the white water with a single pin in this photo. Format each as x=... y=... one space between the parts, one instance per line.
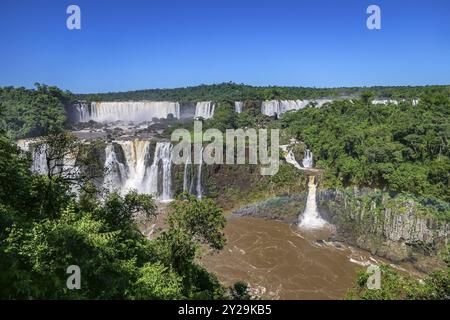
x=136 y=173
x=83 y=112
x=161 y=159
x=186 y=174
x=164 y=153
x=136 y=153
x=307 y=162
x=385 y=101
x=290 y=158
x=39 y=158
x=204 y=109
x=199 y=177
x=131 y=111
x=39 y=152
x=311 y=218
x=278 y=107
x=238 y=106
x=116 y=173
x=308 y=159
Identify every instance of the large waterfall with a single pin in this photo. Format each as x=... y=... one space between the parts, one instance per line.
x=162 y=159
x=311 y=218
x=278 y=107
x=132 y=111
x=134 y=171
x=204 y=110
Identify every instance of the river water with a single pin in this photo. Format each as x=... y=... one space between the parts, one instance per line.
x=280 y=261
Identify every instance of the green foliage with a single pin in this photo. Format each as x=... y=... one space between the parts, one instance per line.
x=239 y=291
x=44 y=229
x=30 y=113
x=400 y=148
x=202 y=219
x=240 y=92
x=401 y=286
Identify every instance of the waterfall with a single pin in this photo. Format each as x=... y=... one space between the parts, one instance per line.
x=186 y=173
x=131 y=111
x=384 y=101
x=135 y=171
x=238 y=106
x=204 y=110
x=308 y=159
x=65 y=167
x=162 y=155
x=83 y=112
x=270 y=108
x=167 y=171
x=278 y=107
x=116 y=173
x=136 y=152
x=199 y=177
x=290 y=158
x=311 y=217
x=39 y=158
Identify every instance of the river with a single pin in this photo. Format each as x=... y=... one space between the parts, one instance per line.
x=280 y=261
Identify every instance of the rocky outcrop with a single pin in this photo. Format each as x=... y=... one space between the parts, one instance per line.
x=397 y=228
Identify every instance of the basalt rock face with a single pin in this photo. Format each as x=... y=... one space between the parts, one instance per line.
x=397 y=228
x=284 y=208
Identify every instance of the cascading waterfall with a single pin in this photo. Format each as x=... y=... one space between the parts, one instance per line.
x=131 y=111
x=83 y=112
x=162 y=155
x=136 y=153
x=270 y=108
x=136 y=173
x=308 y=159
x=238 y=106
x=116 y=173
x=278 y=107
x=199 y=177
x=204 y=109
x=311 y=218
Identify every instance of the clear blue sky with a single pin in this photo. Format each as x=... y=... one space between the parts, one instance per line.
x=128 y=45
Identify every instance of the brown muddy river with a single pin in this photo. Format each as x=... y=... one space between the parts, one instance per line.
x=279 y=261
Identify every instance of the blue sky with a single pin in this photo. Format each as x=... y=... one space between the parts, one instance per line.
x=129 y=45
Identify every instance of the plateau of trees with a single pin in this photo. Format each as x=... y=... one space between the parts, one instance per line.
x=241 y=92
x=31 y=113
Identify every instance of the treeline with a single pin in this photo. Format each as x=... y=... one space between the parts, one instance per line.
x=30 y=113
x=400 y=148
x=241 y=92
